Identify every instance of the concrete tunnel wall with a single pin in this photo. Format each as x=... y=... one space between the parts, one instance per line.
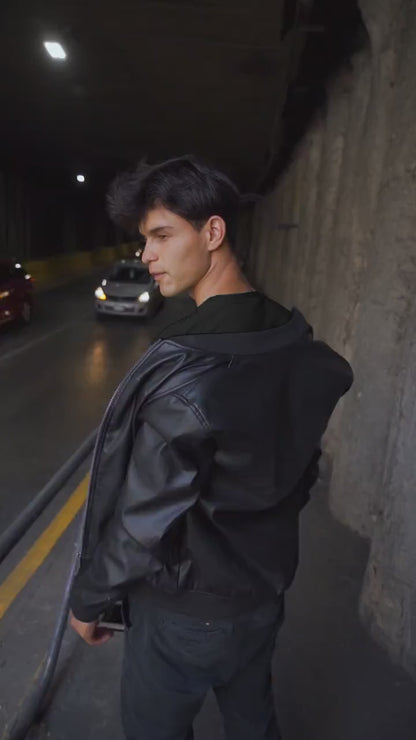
x=350 y=266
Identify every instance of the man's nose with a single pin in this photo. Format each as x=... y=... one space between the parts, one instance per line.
x=146 y=254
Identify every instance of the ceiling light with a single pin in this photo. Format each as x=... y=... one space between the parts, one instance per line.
x=55 y=49
x=80 y=178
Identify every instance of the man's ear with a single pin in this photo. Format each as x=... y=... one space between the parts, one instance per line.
x=216 y=232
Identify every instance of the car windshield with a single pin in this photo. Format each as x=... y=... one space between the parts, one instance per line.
x=126 y=274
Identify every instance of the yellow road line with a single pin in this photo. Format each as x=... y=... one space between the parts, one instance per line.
x=18 y=578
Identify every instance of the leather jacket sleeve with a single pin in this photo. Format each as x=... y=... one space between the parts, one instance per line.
x=170 y=457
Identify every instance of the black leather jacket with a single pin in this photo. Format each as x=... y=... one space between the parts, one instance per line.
x=204 y=458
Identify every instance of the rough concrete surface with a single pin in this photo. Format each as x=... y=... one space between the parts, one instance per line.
x=350 y=266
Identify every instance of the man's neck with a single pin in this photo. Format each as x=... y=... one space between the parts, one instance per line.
x=222 y=279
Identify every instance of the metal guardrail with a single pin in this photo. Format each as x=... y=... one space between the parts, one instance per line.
x=20 y=725
x=32 y=707
x=17 y=529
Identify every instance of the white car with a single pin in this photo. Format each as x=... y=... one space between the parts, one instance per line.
x=128 y=290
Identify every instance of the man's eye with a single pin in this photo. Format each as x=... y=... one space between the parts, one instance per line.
x=163 y=236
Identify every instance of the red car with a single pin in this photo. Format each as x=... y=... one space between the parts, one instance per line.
x=16 y=293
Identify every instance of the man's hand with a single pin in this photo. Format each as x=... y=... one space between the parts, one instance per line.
x=90 y=632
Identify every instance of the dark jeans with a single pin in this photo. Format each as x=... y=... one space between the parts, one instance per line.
x=172 y=660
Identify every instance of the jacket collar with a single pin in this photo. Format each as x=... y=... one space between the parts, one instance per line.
x=251 y=342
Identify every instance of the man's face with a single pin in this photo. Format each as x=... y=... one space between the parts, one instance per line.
x=176 y=253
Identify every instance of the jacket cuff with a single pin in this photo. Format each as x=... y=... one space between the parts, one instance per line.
x=86 y=604
x=84 y=613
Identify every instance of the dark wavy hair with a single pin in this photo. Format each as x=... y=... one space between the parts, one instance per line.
x=184 y=185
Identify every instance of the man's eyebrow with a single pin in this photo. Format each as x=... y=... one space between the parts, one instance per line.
x=156 y=229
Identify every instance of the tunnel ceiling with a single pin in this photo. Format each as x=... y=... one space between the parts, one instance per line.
x=155 y=79
x=144 y=78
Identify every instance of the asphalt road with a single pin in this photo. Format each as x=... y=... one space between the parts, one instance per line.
x=56 y=377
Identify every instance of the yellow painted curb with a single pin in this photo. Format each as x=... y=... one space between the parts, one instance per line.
x=23 y=572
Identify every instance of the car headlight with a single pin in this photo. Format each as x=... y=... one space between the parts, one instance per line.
x=5 y=294
x=144 y=297
x=99 y=293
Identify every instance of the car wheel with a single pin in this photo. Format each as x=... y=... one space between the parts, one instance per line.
x=26 y=312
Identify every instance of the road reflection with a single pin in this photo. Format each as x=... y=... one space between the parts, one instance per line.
x=96 y=362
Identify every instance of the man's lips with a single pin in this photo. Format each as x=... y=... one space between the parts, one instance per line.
x=157 y=275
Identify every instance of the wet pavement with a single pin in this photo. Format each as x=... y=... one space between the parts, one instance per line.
x=56 y=377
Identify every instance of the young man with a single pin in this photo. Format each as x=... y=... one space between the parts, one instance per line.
x=204 y=458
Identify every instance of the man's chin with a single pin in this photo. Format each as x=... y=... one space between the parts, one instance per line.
x=170 y=291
